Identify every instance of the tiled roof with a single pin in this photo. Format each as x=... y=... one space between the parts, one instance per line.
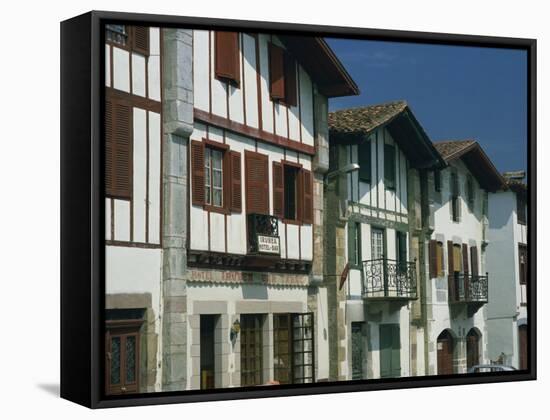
x=450 y=149
x=363 y=120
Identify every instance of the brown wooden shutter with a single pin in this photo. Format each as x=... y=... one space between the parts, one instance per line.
x=197 y=168
x=257 y=183
x=120 y=140
x=291 y=90
x=451 y=276
x=140 y=39
x=433 y=258
x=109 y=122
x=226 y=56
x=307 y=191
x=278 y=190
x=474 y=258
x=276 y=72
x=236 y=183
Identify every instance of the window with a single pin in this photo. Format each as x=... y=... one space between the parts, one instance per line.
x=455 y=202
x=251 y=349
x=365 y=161
x=377 y=243
x=215 y=176
x=457 y=258
x=470 y=192
x=134 y=38
x=118 y=147
x=227 y=63
x=282 y=76
x=354 y=243
x=389 y=166
x=437 y=180
x=521 y=209
x=401 y=251
x=292 y=192
x=522 y=264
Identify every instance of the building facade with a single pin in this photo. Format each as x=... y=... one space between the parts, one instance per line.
x=373 y=230
x=507 y=258
x=456 y=291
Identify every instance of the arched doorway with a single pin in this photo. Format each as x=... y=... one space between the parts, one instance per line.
x=522 y=335
x=445 y=346
x=472 y=347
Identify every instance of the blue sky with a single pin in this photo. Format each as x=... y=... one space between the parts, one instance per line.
x=455 y=92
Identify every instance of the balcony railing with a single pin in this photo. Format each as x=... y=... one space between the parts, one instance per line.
x=263 y=234
x=389 y=279
x=469 y=288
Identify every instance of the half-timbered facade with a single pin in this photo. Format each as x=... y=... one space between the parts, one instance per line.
x=256 y=157
x=457 y=284
x=507 y=259
x=371 y=223
x=133 y=200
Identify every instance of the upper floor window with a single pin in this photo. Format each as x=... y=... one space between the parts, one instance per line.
x=227 y=63
x=389 y=166
x=213 y=176
x=292 y=192
x=522 y=264
x=354 y=243
x=455 y=201
x=521 y=209
x=470 y=192
x=134 y=38
x=365 y=161
x=436 y=258
x=282 y=76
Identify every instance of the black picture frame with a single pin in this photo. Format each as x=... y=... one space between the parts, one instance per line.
x=82 y=218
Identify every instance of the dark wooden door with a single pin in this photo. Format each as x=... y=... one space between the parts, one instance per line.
x=390 y=351
x=445 y=347
x=472 y=349
x=522 y=333
x=122 y=374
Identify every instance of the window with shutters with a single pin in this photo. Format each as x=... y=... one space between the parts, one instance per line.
x=132 y=38
x=282 y=76
x=227 y=62
x=389 y=166
x=292 y=193
x=118 y=148
x=457 y=258
x=365 y=161
x=257 y=183
x=215 y=177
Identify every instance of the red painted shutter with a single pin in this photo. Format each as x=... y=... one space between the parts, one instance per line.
x=226 y=61
x=257 y=183
x=236 y=183
x=433 y=258
x=291 y=90
x=307 y=193
x=121 y=150
x=451 y=276
x=197 y=168
x=276 y=72
x=278 y=190
x=109 y=147
x=140 y=39
x=474 y=258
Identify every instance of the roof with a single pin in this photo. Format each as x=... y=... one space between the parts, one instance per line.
x=320 y=62
x=475 y=159
x=353 y=125
x=364 y=120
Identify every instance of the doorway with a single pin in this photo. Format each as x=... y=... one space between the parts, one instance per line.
x=207 y=351
x=445 y=346
x=472 y=348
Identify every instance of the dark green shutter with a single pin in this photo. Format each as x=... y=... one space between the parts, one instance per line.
x=389 y=166
x=365 y=161
x=390 y=351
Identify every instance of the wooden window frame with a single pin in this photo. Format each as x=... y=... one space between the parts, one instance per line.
x=299 y=194
x=122 y=329
x=130 y=37
x=287 y=94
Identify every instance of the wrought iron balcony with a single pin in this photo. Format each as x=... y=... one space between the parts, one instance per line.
x=389 y=279
x=263 y=234
x=468 y=288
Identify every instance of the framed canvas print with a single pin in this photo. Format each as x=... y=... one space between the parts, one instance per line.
x=264 y=209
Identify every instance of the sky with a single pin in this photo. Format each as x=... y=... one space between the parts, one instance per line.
x=455 y=92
